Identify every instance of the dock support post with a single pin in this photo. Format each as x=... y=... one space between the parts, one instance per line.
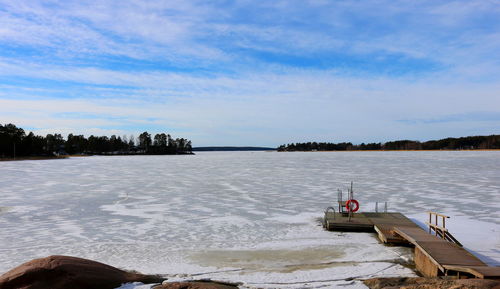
x=430 y=222
x=351 y=197
x=424 y=264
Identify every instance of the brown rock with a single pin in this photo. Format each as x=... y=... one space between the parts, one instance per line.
x=431 y=283
x=58 y=272
x=196 y=285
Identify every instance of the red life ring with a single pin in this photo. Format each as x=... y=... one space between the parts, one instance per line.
x=348 y=205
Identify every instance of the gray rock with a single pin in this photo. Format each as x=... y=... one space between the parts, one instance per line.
x=58 y=272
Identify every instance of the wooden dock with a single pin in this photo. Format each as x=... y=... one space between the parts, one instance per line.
x=434 y=255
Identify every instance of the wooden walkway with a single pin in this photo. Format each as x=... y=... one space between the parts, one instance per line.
x=433 y=255
x=382 y=223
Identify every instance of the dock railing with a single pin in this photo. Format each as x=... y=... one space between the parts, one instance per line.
x=438 y=230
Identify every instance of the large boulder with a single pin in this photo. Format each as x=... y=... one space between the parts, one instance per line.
x=58 y=272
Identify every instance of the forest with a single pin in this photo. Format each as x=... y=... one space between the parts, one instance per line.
x=462 y=143
x=14 y=142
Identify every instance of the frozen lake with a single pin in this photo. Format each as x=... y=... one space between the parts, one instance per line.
x=242 y=216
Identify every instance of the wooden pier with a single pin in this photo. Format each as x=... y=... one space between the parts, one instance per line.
x=435 y=254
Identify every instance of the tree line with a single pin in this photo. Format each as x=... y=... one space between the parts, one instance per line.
x=462 y=143
x=14 y=142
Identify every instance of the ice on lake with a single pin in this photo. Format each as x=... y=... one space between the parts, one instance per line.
x=251 y=217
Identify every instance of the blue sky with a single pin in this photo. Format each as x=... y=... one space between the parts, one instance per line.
x=252 y=72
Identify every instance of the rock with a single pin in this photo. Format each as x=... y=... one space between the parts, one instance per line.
x=58 y=272
x=200 y=284
x=431 y=283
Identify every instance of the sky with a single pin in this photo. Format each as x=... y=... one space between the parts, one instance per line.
x=258 y=73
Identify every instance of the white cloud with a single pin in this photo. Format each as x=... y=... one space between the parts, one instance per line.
x=304 y=103
x=184 y=66
x=198 y=33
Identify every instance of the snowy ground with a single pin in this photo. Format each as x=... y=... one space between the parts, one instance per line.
x=242 y=216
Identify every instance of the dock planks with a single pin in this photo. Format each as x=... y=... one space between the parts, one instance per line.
x=483 y=272
x=433 y=255
x=382 y=223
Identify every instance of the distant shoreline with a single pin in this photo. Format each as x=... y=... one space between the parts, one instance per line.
x=231 y=148
x=39 y=158
x=34 y=158
x=438 y=150
x=461 y=143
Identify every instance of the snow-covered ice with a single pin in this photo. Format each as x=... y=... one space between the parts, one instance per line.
x=250 y=217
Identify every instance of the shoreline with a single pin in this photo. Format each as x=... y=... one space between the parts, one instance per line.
x=443 y=150
x=41 y=158
x=34 y=158
x=62 y=272
x=37 y=158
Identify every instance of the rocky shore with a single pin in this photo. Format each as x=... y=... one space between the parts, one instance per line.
x=58 y=272
x=431 y=283
x=62 y=272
